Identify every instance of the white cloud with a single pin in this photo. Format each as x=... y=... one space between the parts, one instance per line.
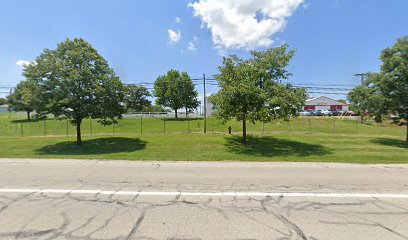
x=245 y=24
x=306 y=5
x=23 y=63
x=177 y=20
x=174 y=36
x=192 y=46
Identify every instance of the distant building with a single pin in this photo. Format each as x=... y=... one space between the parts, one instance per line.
x=325 y=103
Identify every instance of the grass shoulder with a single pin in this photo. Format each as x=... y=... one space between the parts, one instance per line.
x=214 y=147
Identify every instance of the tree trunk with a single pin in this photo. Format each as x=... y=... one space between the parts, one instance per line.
x=186 y=113
x=244 y=132
x=176 y=112
x=78 y=130
x=362 y=118
x=28 y=115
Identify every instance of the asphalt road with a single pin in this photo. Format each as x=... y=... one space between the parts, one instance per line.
x=76 y=199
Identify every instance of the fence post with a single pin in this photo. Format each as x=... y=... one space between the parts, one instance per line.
x=334 y=126
x=113 y=129
x=90 y=127
x=263 y=127
x=67 y=127
x=164 y=125
x=356 y=126
x=188 y=124
x=22 y=130
x=141 y=125
x=310 y=126
x=45 y=127
x=289 y=125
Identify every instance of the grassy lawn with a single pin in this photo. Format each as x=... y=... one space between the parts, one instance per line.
x=331 y=140
x=214 y=147
x=16 y=126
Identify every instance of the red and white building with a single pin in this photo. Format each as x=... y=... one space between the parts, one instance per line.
x=325 y=103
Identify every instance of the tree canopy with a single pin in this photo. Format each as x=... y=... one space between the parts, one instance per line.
x=393 y=83
x=175 y=90
x=3 y=101
x=188 y=93
x=136 y=98
x=387 y=91
x=250 y=90
x=76 y=83
x=25 y=97
x=155 y=108
x=366 y=98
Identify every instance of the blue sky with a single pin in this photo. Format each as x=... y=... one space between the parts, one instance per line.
x=334 y=39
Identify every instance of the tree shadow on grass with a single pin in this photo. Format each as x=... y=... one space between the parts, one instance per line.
x=389 y=142
x=273 y=147
x=94 y=146
x=25 y=120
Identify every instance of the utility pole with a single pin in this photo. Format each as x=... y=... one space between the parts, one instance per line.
x=205 y=107
x=362 y=75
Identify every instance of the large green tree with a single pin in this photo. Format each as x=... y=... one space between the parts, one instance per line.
x=250 y=90
x=155 y=108
x=25 y=97
x=188 y=93
x=367 y=99
x=77 y=83
x=136 y=98
x=175 y=90
x=3 y=101
x=394 y=81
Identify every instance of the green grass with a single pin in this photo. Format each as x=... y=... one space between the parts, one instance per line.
x=16 y=126
x=214 y=147
x=301 y=139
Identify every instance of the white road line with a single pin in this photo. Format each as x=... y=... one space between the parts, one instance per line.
x=212 y=194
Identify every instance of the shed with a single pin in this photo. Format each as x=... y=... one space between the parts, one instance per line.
x=325 y=103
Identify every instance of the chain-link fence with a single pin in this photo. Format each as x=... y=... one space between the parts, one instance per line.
x=142 y=125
